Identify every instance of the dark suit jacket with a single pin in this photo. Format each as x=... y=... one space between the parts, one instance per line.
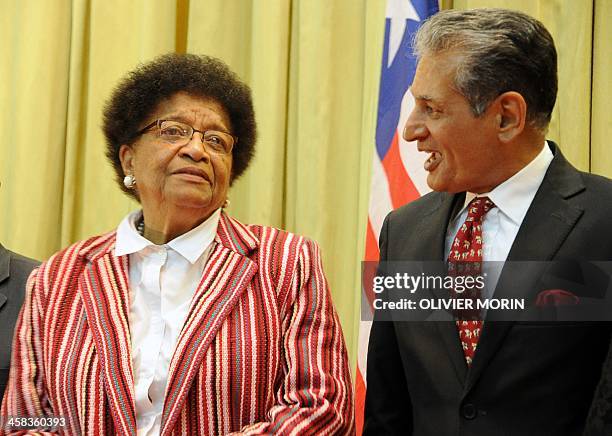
x=526 y=378
x=14 y=271
x=599 y=422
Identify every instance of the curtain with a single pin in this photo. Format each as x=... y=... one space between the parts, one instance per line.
x=313 y=66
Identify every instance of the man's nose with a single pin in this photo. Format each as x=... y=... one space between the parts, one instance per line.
x=414 y=129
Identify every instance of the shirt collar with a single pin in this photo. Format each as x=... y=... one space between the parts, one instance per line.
x=190 y=245
x=514 y=196
x=129 y=241
x=193 y=244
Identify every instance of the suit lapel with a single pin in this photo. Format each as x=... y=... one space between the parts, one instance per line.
x=448 y=329
x=551 y=214
x=226 y=276
x=105 y=293
x=433 y=227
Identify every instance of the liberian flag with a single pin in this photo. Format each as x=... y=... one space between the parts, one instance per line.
x=398 y=176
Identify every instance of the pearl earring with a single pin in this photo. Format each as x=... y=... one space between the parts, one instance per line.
x=226 y=203
x=129 y=181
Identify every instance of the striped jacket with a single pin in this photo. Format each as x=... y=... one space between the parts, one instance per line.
x=261 y=351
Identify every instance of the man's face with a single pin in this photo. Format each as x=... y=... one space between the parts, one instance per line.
x=462 y=148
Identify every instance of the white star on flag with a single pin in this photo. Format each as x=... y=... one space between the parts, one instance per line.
x=398 y=11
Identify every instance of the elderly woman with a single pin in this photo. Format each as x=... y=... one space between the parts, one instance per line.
x=183 y=320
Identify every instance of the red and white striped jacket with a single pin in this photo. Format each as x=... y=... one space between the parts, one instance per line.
x=261 y=351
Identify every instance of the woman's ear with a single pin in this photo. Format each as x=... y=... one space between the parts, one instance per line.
x=512 y=115
x=126 y=156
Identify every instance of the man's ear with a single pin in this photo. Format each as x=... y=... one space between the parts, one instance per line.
x=511 y=116
x=126 y=156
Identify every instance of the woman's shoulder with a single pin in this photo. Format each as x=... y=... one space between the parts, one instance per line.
x=246 y=237
x=64 y=269
x=274 y=236
x=81 y=251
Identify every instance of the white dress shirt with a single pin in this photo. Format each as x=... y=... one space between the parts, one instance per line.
x=163 y=279
x=501 y=224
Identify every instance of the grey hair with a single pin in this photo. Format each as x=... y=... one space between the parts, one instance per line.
x=499 y=50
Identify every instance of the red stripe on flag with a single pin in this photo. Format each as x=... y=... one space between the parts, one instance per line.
x=360 y=393
x=371 y=249
x=401 y=189
x=400 y=185
x=368 y=271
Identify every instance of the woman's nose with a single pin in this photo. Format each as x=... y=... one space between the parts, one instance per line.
x=196 y=148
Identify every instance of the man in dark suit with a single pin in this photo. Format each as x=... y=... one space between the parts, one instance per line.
x=484 y=91
x=14 y=272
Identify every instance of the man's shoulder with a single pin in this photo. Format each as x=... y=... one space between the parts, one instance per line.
x=22 y=263
x=566 y=179
x=14 y=271
x=16 y=262
x=590 y=192
x=598 y=185
x=420 y=207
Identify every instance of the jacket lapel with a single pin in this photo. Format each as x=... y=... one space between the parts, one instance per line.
x=552 y=214
x=432 y=229
x=448 y=329
x=105 y=292
x=226 y=275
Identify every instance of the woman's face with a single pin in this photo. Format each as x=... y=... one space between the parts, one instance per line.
x=187 y=176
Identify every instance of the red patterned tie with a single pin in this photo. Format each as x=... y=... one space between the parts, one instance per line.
x=465 y=258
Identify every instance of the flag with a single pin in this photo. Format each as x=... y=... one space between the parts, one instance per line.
x=398 y=176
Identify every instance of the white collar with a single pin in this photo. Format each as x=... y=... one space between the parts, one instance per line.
x=190 y=245
x=514 y=196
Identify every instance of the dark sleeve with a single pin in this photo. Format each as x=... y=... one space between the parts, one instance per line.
x=388 y=408
x=12 y=293
x=599 y=421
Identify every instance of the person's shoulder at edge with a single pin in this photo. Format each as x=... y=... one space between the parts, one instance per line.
x=596 y=187
x=19 y=261
x=601 y=185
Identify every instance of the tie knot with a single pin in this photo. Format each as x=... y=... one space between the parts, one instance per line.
x=478 y=207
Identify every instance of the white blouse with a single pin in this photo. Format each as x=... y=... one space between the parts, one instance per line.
x=163 y=279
